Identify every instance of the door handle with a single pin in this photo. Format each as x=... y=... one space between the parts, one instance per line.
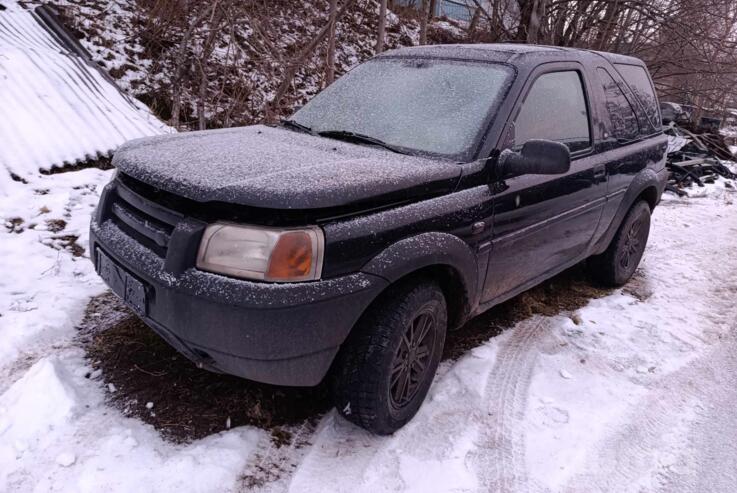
x=599 y=173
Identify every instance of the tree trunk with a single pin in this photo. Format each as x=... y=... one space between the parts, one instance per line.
x=330 y=59
x=180 y=64
x=604 y=32
x=474 y=22
x=202 y=124
x=533 y=27
x=531 y=12
x=526 y=9
x=204 y=56
x=622 y=31
x=559 y=25
x=423 y=22
x=382 y=27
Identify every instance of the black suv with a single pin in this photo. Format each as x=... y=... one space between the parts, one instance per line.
x=422 y=188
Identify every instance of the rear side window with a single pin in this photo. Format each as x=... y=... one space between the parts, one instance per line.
x=554 y=109
x=638 y=80
x=621 y=114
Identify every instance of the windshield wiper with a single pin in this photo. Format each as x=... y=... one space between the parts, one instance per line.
x=356 y=137
x=296 y=126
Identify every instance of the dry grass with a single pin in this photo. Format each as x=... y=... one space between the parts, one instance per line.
x=189 y=403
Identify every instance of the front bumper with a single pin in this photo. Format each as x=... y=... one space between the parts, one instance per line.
x=282 y=334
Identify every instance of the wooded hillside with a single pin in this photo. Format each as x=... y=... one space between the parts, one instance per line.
x=203 y=64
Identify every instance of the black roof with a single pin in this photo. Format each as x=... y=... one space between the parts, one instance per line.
x=506 y=52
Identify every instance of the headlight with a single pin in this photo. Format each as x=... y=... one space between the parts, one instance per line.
x=268 y=254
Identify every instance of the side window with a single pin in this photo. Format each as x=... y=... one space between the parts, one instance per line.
x=639 y=81
x=621 y=114
x=554 y=109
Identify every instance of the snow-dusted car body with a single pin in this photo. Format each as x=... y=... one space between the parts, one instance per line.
x=419 y=190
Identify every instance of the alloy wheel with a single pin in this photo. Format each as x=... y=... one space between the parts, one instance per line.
x=412 y=359
x=634 y=243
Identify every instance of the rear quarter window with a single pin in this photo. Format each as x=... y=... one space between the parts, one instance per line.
x=622 y=116
x=638 y=80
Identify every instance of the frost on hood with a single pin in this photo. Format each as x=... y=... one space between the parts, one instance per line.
x=274 y=168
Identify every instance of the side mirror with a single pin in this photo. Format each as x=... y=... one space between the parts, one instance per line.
x=537 y=157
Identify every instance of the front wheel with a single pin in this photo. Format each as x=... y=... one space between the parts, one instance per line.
x=386 y=366
x=616 y=265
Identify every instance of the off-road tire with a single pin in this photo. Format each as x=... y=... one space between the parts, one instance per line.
x=366 y=378
x=616 y=265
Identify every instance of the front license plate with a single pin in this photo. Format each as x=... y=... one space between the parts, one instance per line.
x=130 y=289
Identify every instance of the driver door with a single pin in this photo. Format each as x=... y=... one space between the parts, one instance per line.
x=544 y=223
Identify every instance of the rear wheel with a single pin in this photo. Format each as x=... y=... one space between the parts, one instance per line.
x=616 y=265
x=386 y=366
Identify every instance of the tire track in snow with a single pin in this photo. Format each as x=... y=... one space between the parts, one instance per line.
x=713 y=436
x=349 y=458
x=441 y=436
x=666 y=443
x=271 y=469
x=500 y=455
x=658 y=449
x=339 y=455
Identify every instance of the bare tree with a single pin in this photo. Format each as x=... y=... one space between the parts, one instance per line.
x=533 y=25
x=330 y=59
x=382 y=27
x=214 y=24
x=273 y=106
x=180 y=62
x=423 y=21
x=690 y=47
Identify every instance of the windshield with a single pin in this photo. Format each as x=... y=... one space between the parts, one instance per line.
x=427 y=105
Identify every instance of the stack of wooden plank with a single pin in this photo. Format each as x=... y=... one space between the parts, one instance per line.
x=696 y=159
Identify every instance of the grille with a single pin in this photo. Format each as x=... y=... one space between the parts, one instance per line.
x=147 y=222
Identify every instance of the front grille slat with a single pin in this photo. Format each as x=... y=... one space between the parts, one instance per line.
x=149 y=208
x=145 y=221
x=157 y=234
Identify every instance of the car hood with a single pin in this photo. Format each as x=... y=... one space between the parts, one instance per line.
x=272 y=167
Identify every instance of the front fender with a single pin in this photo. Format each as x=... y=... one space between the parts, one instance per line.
x=425 y=250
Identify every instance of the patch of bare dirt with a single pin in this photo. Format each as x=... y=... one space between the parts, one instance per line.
x=188 y=403
x=55 y=225
x=280 y=460
x=14 y=225
x=66 y=242
x=638 y=287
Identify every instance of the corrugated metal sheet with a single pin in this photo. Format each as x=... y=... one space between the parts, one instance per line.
x=56 y=107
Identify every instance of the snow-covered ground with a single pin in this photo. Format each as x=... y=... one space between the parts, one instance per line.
x=633 y=392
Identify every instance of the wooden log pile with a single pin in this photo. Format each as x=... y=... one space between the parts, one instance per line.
x=696 y=159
